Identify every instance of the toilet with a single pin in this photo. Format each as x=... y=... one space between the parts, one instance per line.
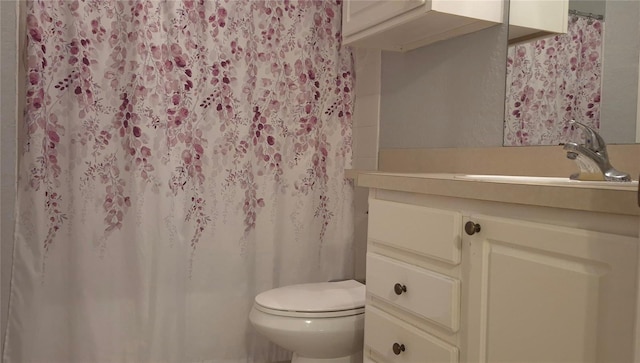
x=318 y=322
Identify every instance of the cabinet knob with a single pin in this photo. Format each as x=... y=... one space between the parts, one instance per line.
x=398 y=348
x=399 y=289
x=471 y=228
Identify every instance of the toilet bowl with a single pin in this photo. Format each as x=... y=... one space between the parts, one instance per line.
x=319 y=322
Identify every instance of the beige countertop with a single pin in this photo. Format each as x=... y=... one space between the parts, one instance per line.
x=604 y=197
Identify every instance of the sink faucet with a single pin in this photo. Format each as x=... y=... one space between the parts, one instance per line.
x=592 y=157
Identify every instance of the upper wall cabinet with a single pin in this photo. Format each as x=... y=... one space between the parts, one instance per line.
x=401 y=25
x=530 y=19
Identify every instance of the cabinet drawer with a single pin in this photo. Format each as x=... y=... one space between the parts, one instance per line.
x=382 y=331
x=431 y=295
x=430 y=232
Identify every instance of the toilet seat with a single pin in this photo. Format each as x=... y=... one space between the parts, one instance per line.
x=318 y=315
x=315 y=300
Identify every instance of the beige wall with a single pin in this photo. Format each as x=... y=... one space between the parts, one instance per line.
x=8 y=115
x=367 y=108
x=620 y=71
x=530 y=161
x=449 y=94
x=365 y=142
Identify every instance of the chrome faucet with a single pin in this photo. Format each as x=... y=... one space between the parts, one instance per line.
x=592 y=157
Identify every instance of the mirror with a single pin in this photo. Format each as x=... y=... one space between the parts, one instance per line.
x=591 y=73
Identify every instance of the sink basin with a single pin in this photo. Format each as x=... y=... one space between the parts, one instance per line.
x=547 y=180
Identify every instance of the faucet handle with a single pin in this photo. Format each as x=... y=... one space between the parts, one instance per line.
x=592 y=139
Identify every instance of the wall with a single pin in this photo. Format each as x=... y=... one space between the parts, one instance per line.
x=525 y=160
x=8 y=115
x=620 y=71
x=449 y=94
x=365 y=142
x=588 y=6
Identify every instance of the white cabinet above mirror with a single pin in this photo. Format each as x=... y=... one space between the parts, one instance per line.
x=402 y=25
x=528 y=19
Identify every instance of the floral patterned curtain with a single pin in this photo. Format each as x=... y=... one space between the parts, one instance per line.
x=551 y=81
x=179 y=158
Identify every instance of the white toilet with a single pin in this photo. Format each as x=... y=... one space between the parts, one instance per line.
x=320 y=322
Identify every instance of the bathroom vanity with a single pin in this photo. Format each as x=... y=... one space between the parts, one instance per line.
x=466 y=269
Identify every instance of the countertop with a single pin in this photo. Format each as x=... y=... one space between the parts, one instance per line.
x=604 y=197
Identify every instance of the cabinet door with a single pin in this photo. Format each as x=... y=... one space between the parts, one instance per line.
x=541 y=293
x=362 y=14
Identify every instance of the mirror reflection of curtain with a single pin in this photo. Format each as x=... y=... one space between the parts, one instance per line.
x=551 y=81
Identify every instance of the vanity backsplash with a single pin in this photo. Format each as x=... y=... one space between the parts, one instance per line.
x=531 y=161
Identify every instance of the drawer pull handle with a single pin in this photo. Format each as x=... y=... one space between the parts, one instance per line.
x=398 y=348
x=399 y=289
x=471 y=228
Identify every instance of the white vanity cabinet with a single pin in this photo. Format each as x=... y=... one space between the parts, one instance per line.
x=523 y=284
x=413 y=283
x=401 y=25
x=544 y=293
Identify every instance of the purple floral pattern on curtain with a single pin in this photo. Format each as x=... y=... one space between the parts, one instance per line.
x=239 y=89
x=179 y=158
x=551 y=81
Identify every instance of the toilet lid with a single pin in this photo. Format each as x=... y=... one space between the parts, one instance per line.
x=318 y=297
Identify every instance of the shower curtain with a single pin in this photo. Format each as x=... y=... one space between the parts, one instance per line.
x=179 y=157
x=551 y=81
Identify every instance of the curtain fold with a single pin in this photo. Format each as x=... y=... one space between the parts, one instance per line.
x=551 y=81
x=179 y=158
